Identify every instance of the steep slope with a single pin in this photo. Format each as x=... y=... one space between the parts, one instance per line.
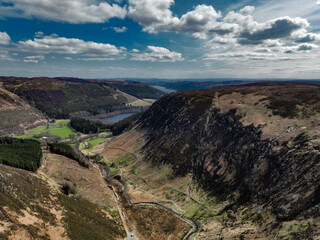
x=16 y=114
x=32 y=209
x=34 y=206
x=255 y=144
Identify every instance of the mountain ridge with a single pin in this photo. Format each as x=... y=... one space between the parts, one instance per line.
x=258 y=141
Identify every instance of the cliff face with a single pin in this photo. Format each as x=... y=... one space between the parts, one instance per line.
x=262 y=141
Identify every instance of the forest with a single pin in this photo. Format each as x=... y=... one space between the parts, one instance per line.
x=20 y=153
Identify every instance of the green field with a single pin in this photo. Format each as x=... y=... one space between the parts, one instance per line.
x=34 y=131
x=59 y=128
x=62 y=123
x=92 y=143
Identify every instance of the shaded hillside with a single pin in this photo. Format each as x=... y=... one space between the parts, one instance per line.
x=16 y=114
x=136 y=89
x=261 y=141
x=140 y=90
x=62 y=97
x=58 y=99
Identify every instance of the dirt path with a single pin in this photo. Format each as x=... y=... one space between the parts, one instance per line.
x=194 y=225
x=124 y=220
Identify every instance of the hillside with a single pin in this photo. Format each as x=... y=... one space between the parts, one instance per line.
x=38 y=206
x=256 y=145
x=63 y=97
x=16 y=114
x=236 y=162
x=136 y=89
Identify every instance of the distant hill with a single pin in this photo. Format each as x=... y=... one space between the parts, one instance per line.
x=195 y=85
x=134 y=88
x=60 y=97
x=175 y=85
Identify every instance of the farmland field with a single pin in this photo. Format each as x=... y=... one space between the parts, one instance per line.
x=60 y=129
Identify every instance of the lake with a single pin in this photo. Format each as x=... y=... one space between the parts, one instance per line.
x=117 y=118
x=163 y=89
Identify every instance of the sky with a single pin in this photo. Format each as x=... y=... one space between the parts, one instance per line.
x=160 y=38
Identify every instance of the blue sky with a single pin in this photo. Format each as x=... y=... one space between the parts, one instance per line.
x=160 y=38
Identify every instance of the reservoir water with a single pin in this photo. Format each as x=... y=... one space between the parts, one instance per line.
x=118 y=117
x=163 y=89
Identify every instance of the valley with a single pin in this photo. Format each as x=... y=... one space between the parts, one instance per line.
x=159 y=120
x=236 y=162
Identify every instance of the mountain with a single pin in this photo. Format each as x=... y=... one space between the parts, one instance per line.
x=229 y=162
x=62 y=97
x=254 y=145
x=134 y=88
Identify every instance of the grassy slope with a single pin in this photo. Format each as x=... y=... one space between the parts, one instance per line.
x=94 y=142
x=30 y=209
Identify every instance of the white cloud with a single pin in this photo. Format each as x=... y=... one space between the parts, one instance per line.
x=305 y=47
x=5 y=56
x=33 y=59
x=302 y=36
x=71 y=11
x=156 y=16
x=204 y=22
x=275 y=8
x=247 y=10
x=38 y=34
x=244 y=55
x=96 y=59
x=279 y=28
x=64 y=45
x=152 y=14
x=4 y=38
x=318 y=3
x=157 y=54
x=120 y=29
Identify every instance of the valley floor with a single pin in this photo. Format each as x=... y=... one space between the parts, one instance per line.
x=216 y=219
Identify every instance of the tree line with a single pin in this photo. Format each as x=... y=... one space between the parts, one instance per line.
x=87 y=126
